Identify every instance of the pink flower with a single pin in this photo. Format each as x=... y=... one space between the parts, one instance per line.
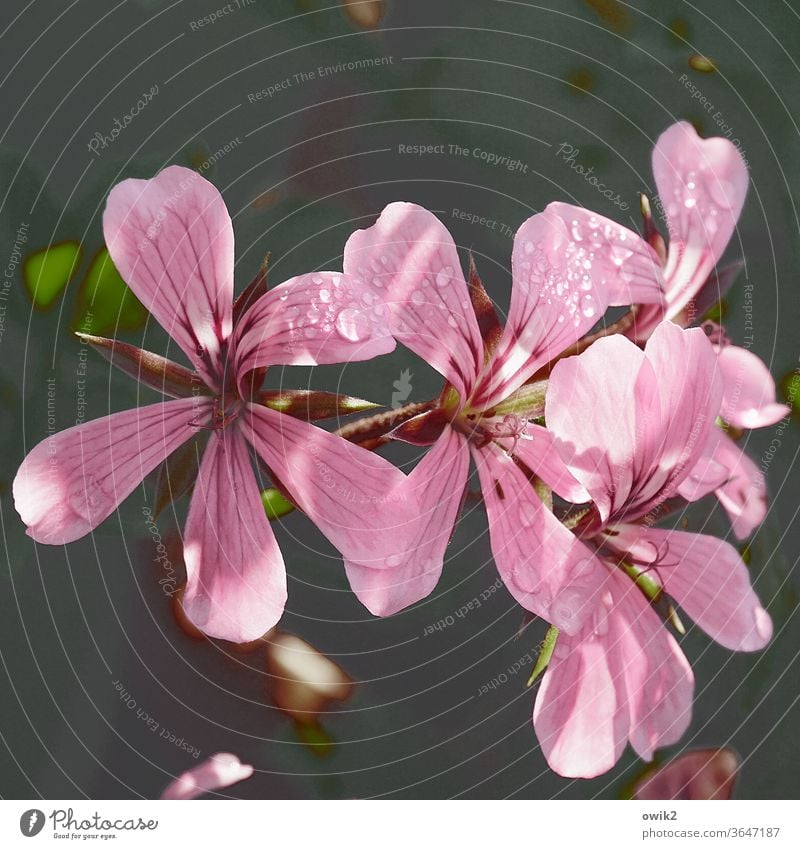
x=219 y=771
x=702 y=184
x=564 y=278
x=700 y=774
x=631 y=425
x=172 y=240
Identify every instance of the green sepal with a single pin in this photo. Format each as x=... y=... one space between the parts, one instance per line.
x=311 y=405
x=152 y=370
x=545 y=653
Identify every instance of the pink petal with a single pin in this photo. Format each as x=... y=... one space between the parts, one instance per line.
x=539 y=454
x=673 y=427
x=314 y=319
x=545 y=567
x=702 y=184
x=581 y=711
x=749 y=397
x=706 y=576
x=631 y=428
x=75 y=479
x=219 y=771
x=236 y=580
x=623 y=676
x=659 y=680
x=411 y=261
x=355 y=497
x=172 y=241
x=556 y=298
x=590 y=409
x=705 y=476
x=437 y=484
x=744 y=494
x=701 y=774
x=621 y=261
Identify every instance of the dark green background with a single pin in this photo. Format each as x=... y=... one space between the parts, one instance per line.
x=323 y=157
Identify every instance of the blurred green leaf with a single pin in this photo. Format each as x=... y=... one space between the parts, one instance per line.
x=47 y=272
x=105 y=302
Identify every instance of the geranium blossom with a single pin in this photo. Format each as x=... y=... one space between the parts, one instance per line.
x=630 y=425
x=564 y=278
x=702 y=185
x=219 y=771
x=172 y=240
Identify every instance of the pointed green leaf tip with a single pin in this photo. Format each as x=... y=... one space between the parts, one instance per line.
x=275 y=505
x=105 y=301
x=545 y=653
x=48 y=271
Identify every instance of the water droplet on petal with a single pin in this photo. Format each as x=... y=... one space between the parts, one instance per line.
x=325 y=295
x=587 y=306
x=292 y=313
x=394 y=560
x=528 y=513
x=570 y=608
x=352 y=324
x=418 y=297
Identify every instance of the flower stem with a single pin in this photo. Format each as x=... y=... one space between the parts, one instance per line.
x=370 y=431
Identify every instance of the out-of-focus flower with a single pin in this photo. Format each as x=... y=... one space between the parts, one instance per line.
x=304 y=680
x=219 y=771
x=701 y=774
x=563 y=283
x=630 y=426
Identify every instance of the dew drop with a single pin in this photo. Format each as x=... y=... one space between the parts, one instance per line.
x=418 y=297
x=325 y=295
x=394 y=560
x=527 y=513
x=570 y=608
x=587 y=306
x=352 y=324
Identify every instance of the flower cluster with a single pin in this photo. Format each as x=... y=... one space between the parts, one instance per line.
x=585 y=434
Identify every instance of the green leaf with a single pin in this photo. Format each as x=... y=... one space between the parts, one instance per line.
x=545 y=653
x=527 y=402
x=275 y=504
x=48 y=271
x=105 y=302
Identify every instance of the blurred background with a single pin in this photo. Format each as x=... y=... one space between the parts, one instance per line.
x=304 y=113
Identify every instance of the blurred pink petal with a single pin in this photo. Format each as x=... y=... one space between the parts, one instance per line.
x=218 y=772
x=701 y=774
x=71 y=481
x=171 y=239
x=749 y=397
x=410 y=259
x=537 y=451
